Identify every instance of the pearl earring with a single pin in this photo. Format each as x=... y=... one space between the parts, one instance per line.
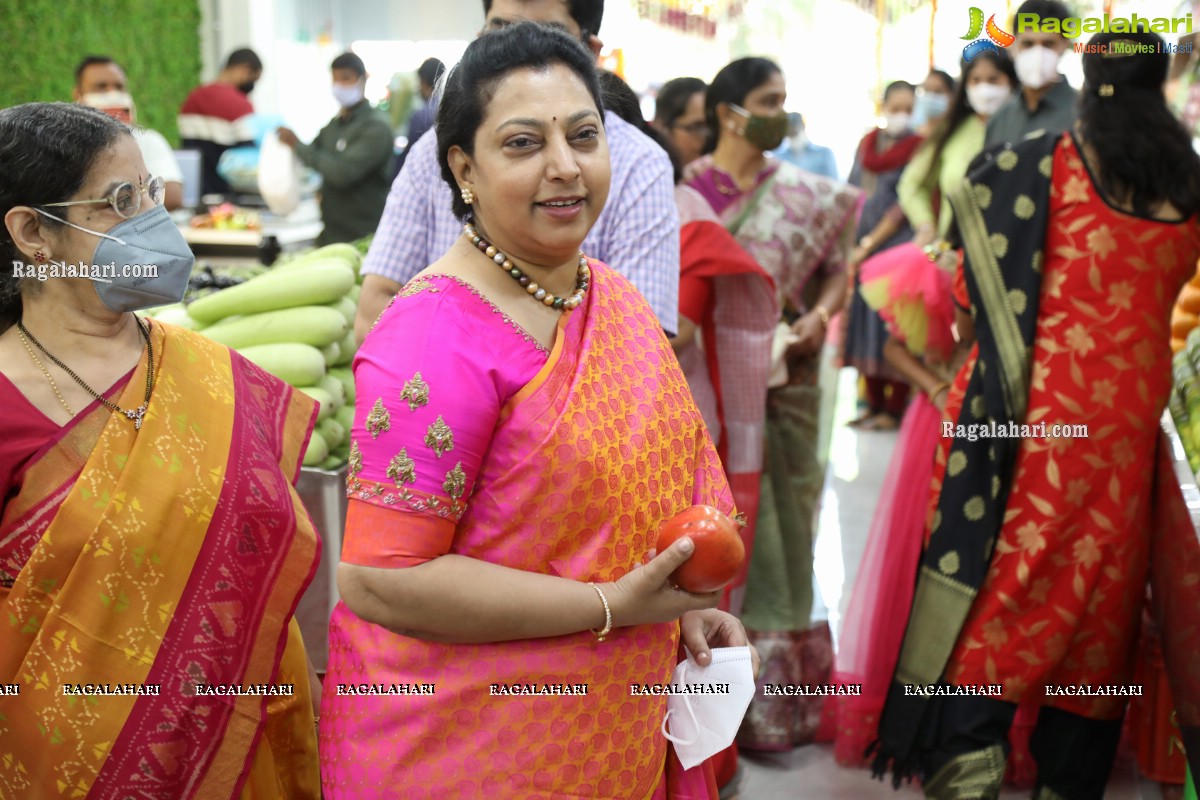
x=468 y=195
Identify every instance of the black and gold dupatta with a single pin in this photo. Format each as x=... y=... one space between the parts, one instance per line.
x=1001 y=211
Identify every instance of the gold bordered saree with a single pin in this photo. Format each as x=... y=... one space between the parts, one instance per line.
x=157 y=560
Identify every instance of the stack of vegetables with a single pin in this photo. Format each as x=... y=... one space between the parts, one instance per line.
x=1186 y=315
x=1184 y=401
x=296 y=321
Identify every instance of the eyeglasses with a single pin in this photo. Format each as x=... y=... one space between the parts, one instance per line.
x=694 y=128
x=125 y=199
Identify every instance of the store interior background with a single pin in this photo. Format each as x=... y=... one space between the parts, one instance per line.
x=836 y=54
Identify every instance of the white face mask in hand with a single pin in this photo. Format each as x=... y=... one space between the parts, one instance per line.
x=703 y=725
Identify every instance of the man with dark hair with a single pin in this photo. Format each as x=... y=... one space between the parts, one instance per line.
x=428 y=73
x=1046 y=101
x=422 y=119
x=100 y=83
x=637 y=233
x=353 y=153
x=245 y=58
x=587 y=14
x=216 y=116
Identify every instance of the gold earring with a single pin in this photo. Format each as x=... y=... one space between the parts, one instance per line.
x=468 y=195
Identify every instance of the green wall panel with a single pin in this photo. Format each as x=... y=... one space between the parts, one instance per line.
x=156 y=41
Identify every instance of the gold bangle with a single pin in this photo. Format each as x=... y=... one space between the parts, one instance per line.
x=823 y=314
x=607 y=615
x=943 y=386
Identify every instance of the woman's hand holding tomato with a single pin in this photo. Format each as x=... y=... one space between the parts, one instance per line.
x=646 y=595
x=698 y=552
x=720 y=552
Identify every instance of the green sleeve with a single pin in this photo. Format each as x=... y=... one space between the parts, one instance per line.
x=915 y=190
x=342 y=169
x=961 y=148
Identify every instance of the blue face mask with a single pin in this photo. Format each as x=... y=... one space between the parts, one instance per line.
x=929 y=106
x=149 y=238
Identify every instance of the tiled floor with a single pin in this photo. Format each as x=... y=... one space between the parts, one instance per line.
x=857 y=468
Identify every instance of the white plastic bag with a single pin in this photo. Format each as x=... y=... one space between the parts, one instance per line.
x=279 y=176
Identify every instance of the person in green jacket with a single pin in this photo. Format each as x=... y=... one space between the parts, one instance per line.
x=353 y=153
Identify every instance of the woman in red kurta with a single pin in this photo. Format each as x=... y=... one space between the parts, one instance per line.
x=1068 y=615
x=1073 y=333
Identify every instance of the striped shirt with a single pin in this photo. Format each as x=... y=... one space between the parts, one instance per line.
x=637 y=233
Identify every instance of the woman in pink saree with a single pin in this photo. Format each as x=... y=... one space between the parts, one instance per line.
x=517 y=444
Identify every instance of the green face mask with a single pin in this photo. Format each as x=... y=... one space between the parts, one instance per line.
x=766 y=133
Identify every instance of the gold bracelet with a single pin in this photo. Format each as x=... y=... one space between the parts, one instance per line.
x=937 y=390
x=823 y=314
x=607 y=615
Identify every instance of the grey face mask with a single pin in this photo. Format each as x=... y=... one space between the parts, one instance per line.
x=149 y=238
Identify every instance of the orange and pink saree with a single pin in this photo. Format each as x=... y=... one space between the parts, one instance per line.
x=469 y=438
x=161 y=559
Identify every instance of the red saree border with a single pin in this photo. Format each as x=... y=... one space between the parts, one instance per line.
x=210 y=620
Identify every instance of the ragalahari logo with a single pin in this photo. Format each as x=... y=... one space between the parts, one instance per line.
x=996 y=38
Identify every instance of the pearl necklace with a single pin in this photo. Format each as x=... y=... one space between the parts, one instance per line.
x=582 y=280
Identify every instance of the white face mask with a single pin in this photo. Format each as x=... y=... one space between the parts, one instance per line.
x=703 y=725
x=347 y=96
x=987 y=98
x=1037 y=66
x=115 y=103
x=897 y=124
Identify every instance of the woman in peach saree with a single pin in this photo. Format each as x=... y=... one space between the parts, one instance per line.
x=148 y=553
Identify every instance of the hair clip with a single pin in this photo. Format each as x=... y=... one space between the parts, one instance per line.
x=1105 y=90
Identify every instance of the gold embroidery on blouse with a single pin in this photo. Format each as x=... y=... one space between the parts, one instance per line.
x=378 y=420
x=416 y=392
x=356 y=465
x=456 y=481
x=408 y=498
x=416 y=286
x=402 y=469
x=439 y=437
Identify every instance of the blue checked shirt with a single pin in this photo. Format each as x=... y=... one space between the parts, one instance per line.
x=637 y=233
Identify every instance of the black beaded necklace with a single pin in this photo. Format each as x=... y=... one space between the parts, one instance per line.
x=582 y=280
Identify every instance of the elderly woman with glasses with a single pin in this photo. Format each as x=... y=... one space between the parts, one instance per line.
x=152 y=547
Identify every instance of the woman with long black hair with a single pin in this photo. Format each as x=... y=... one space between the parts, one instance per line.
x=1039 y=551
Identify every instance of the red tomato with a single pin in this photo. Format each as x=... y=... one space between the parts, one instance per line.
x=719 y=552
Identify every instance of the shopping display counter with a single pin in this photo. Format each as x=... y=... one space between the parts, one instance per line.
x=297 y=230
x=324 y=496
